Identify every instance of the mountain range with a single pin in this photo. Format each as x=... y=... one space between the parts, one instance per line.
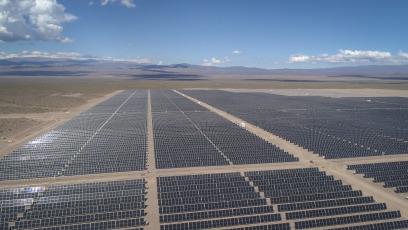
x=67 y=67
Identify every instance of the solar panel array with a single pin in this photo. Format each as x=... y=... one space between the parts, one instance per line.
x=237 y=144
x=306 y=196
x=169 y=101
x=330 y=127
x=102 y=205
x=188 y=135
x=211 y=201
x=385 y=225
x=393 y=174
x=109 y=137
x=178 y=143
x=308 y=193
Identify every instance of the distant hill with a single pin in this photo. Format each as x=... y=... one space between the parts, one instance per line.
x=396 y=72
x=26 y=66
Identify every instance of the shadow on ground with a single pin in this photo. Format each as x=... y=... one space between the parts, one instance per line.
x=45 y=73
x=281 y=80
x=170 y=77
x=372 y=77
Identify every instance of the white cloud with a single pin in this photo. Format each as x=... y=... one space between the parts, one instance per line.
x=227 y=59
x=71 y=55
x=213 y=61
x=216 y=61
x=237 y=52
x=104 y=2
x=135 y=60
x=160 y=63
x=39 y=54
x=353 y=56
x=28 y=19
x=298 y=58
x=91 y=3
x=402 y=55
x=128 y=3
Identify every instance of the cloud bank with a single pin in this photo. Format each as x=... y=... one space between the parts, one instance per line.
x=71 y=55
x=215 y=61
x=32 y=19
x=211 y=62
x=356 y=56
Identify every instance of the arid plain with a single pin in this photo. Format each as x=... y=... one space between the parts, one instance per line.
x=33 y=105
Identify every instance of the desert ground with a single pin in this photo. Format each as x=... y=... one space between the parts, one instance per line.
x=35 y=101
x=31 y=106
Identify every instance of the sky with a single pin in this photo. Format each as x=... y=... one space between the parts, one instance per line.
x=267 y=34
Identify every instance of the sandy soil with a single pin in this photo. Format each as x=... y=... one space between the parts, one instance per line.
x=10 y=126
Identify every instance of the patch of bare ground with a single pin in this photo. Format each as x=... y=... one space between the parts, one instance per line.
x=10 y=126
x=44 y=95
x=69 y=95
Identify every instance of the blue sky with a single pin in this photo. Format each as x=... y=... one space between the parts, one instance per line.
x=265 y=34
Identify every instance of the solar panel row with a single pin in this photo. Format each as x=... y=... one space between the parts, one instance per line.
x=69 y=220
x=211 y=206
x=343 y=220
x=21 y=193
x=325 y=203
x=335 y=211
x=119 y=224
x=393 y=174
x=401 y=224
x=282 y=226
x=215 y=214
x=40 y=214
x=226 y=222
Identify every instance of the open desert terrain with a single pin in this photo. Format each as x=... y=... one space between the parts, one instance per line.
x=37 y=103
x=33 y=106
